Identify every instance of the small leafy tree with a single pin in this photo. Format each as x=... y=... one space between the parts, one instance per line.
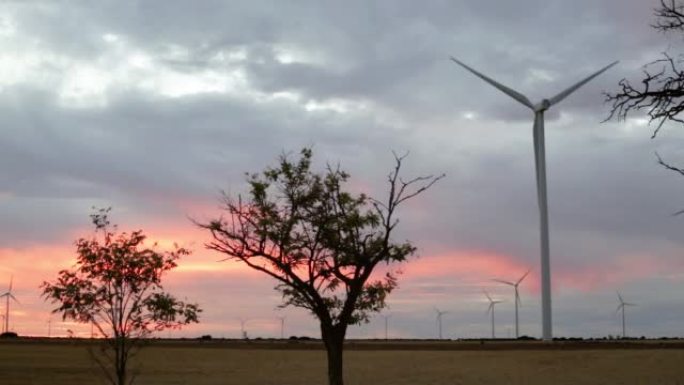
x=116 y=287
x=320 y=243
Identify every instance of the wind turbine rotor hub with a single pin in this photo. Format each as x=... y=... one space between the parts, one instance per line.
x=542 y=106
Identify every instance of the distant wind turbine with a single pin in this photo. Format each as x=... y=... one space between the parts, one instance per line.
x=540 y=166
x=387 y=317
x=439 y=321
x=518 y=302
x=490 y=310
x=7 y=296
x=243 y=332
x=622 y=306
x=282 y=326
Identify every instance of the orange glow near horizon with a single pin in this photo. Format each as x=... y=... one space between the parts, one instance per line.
x=206 y=280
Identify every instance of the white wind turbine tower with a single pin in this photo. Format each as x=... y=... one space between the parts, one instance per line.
x=7 y=296
x=490 y=310
x=540 y=166
x=622 y=306
x=518 y=302
x=439 y=321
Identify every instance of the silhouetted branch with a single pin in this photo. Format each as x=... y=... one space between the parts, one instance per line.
x=670 y=16
x=668 y=166
x=671 y=168
x=662 y=94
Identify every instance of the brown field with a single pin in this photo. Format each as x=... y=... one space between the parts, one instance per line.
x=378 y=363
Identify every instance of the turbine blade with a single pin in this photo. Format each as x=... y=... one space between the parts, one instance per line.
x=620 y=306
x=517 y=298
x=620 y=297
x=523 y=277
x=504 y=282
x=15 y=299
x=487 y=294
x=574 y=88
x=508 y=91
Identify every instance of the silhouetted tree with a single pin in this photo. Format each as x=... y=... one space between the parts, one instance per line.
x=116 y=287
x=319 y=242
x=661 y=93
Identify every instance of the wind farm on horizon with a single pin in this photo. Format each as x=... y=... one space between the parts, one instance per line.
x=446 y=328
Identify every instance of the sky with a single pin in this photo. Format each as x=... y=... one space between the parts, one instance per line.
x=155 y=107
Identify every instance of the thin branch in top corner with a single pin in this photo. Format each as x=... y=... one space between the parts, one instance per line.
x=670 y=16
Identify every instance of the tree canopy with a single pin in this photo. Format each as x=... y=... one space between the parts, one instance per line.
x=319 y=242
x=116 y=286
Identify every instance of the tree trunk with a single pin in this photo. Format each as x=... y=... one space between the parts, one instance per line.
x=333 y=338
x=120 y=361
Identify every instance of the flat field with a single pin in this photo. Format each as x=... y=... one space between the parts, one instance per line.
x=377 y=363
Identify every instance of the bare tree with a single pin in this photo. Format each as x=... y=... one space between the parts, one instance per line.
x=661 y=92
x=116 y=287
x=321 y=244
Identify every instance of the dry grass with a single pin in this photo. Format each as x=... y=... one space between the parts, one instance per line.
x=193 y=363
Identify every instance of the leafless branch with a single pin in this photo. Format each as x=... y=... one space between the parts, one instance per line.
x=671 y=168
x=661 y=94
x=670 y=16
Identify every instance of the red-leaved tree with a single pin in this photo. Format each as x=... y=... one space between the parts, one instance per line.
x=116 y=287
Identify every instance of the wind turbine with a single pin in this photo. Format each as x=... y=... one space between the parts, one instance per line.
x=540 y=166
x=282 y=326
x=243 y=332
x=517 y=297
x=439 y=321
x=622 y=306
x=7 y=296
x=387 y=317
x=490 y=310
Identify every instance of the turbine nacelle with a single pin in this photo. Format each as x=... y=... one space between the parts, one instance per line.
x=440 y=313
x=542 y=106
x=10 y=296
x=623 y=304
x=492 y=301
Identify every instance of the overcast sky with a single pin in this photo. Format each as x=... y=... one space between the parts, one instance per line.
x=154 y=107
